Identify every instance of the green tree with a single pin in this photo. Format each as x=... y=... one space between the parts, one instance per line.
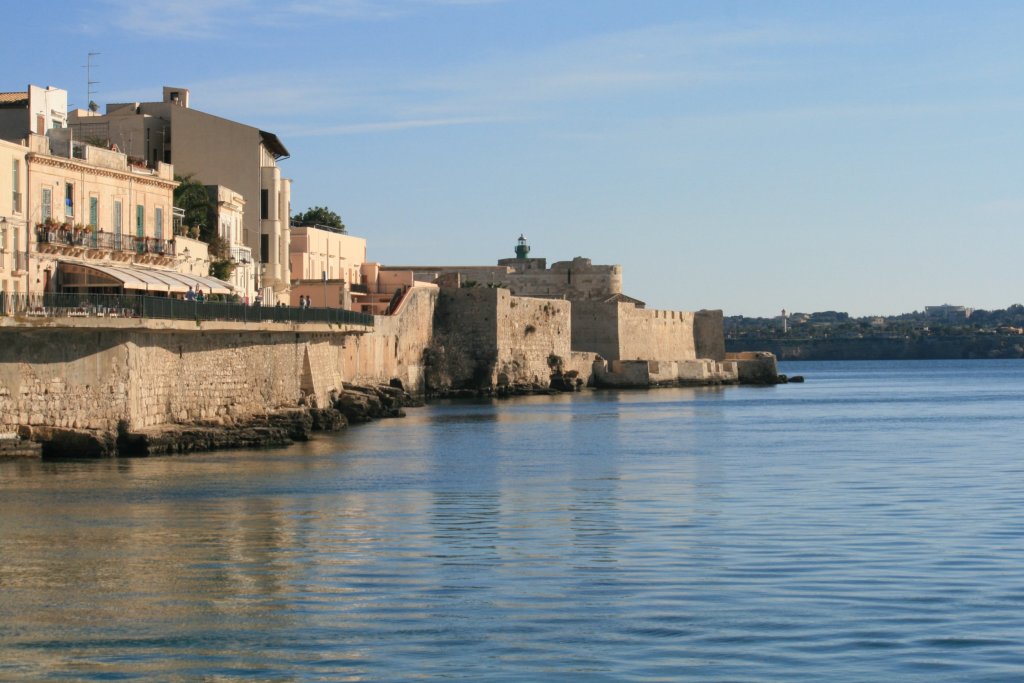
x=190 y=195
x=320 y=215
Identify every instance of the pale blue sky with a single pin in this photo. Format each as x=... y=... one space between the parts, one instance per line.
x=749 y=156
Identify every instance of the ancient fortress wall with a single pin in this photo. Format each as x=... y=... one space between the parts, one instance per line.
x=621 y=331
x=595 y=328
x=646 y=334
x=534 y=337
x=395 y=347
x=505 y=339
x=577 y=280
x=709 y=334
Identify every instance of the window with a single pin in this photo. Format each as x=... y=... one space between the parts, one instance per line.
x=94 y=209
x=264 y=248
x=69 y=200
x=264 y=204
x=117 y=224
x=158 y=222
x=47 y=204
x=140 y=228
x=15 y=186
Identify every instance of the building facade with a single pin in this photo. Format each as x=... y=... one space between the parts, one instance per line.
x=215 y=151
x=228 y=215
x=90 y=205
x=33 y=110
x=326 y=266
x=13 y=224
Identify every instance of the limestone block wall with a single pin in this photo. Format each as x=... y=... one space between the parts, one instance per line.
x=488 y=337
x=534 y=336
x=395 y=347
x=709 y=334
x=583 y=363
x=75 y=381
x=646 y=334
x=595 y=328
x=88 y=378
x=93 y=379
x=621 y=331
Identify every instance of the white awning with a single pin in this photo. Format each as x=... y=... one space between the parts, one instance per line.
x=140 y=279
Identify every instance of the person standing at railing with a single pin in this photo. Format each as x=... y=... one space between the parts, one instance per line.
x=199 y=296
x=190 y=295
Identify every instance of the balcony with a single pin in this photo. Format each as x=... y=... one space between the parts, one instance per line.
x=241 y=255
x=73 y=242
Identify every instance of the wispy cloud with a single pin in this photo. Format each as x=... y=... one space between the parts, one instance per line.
x=210 y=19
x=510 y=85
x=385 y=126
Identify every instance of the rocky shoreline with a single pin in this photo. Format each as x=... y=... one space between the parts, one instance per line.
x=276 y=428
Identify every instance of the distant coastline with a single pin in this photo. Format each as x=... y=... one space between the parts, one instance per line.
x=930 y=347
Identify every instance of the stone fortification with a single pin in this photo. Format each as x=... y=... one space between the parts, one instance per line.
x=622 y=331
x=575 y=280
x=486 y=337
x=709 y=334
x=146 y=375
x=395 y=348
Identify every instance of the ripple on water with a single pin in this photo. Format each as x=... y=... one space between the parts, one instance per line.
x=864 y=526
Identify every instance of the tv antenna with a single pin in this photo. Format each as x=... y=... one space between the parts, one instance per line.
x=89 y=83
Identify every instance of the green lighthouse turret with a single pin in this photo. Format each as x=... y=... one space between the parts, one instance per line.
x=522 y=248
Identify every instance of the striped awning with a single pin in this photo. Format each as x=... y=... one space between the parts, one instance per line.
x=85 y=275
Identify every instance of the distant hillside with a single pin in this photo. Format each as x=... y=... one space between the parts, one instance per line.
x=887 y=348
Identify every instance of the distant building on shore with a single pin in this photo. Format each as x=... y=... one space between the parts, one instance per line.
x=948 y=313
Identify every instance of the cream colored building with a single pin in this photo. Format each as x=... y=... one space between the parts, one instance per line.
x=215 y=151
x=33 y=110
x=14 y=230
x=90 y=205
x=229 y=217
x=326 y=265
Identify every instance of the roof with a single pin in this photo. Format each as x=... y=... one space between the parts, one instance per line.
x=156 y=279
x=274 y=145
x=13 y=98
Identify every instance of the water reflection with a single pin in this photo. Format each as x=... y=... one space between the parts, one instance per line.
x=680 y=534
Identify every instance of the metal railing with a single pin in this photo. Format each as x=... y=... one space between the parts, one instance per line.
x=105 y=240
x=55 y=305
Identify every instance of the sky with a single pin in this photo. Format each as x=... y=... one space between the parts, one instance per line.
x=750 y=156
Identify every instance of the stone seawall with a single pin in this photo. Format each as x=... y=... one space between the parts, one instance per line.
x=103 y=378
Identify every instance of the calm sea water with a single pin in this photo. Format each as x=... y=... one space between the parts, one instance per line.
x=865 y=526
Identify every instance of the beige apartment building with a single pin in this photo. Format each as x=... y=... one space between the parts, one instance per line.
x=13 y=225
x=326 y=265
x=215 y=151
x=91 y=212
